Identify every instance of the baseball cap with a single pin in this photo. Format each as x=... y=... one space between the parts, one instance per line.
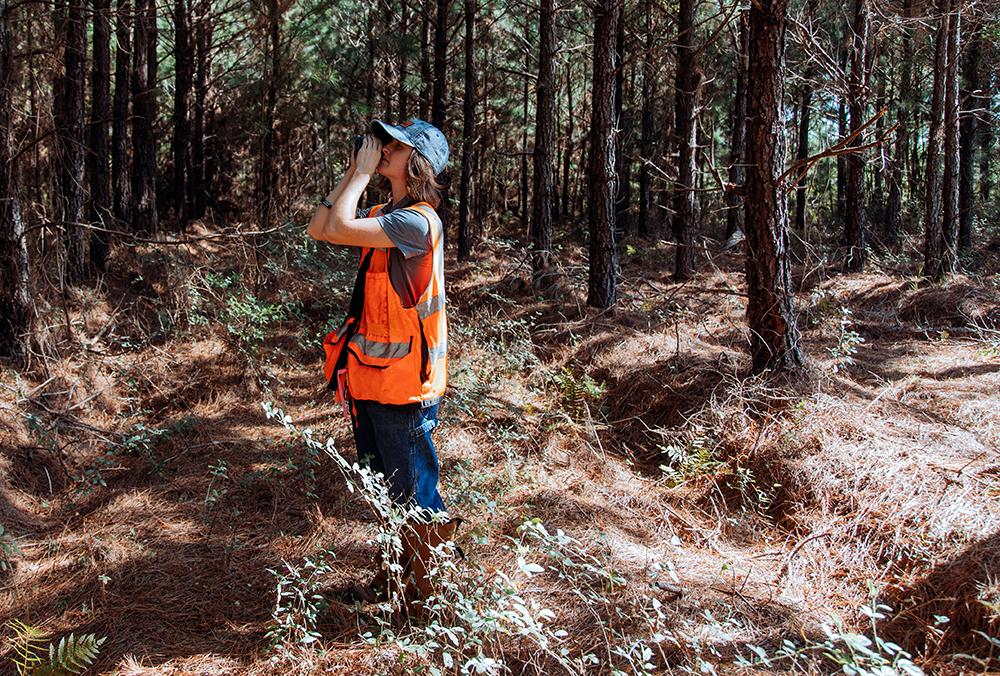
x=423 y=136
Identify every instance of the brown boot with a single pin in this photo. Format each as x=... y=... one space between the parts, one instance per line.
x=419 y=539
x=376 y=590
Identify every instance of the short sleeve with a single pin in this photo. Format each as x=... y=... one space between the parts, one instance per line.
x=409 y=231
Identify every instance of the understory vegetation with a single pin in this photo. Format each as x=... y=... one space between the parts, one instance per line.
x=181 y=492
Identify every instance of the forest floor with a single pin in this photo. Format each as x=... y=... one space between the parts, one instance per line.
x=146 y=497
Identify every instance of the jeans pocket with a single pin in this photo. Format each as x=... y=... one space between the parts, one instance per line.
x=421 y=425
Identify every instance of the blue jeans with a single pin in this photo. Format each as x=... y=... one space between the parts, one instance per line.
x=396 y=441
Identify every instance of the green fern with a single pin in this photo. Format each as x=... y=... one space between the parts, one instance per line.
x=72 y=655
x=577 y=391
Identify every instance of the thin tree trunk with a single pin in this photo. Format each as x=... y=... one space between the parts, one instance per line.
x=438 y=112
x=468 y=132
x=541 y=214
x=70 y=129
x=404 y=22
x=568 y=152
x=841 y=161
x=801 y=154
x=854 y=221
x=647 y=144
x=522 y=198
x=986 y=140
x=603 y=259
x=266 y=186
x=181 y=146
x=98 y=156
x=144 y=67
x=935 y=137
x=904 y=107
x=425 y=60
x=967 y=141
x=15 y=303
x=738 y=123
x=621 y=192
x=686 y=87
x=949 y=182
x=774 y=338
x=119 y=122
x=197 y=186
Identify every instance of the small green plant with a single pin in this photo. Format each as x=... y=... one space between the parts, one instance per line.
x=578 y=392
x=142 y=440
x=71 y=655
x=215 y=491
x=247 y=320
x=848 y=341
x=8 y=549
x=299 y=602
x=689 y=457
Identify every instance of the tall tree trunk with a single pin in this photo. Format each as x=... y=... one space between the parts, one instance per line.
x=802 y=153
x=522 y=198
x=121 y=188
x=949 y=182
x=568 y=152
x=647 y=144
x=986 y=140
x=737 y=134
x=468 y=132
x=967 y=141
x=181 y=145
x=541 y=213
x=72 y=30
x=841 y=161
x=622 y=188
x=425 y=60
x=438 y=112
x=197 y=185
x=267 y=179
x=904 y=107
x=98 y=157
x=774 y=338
x=15 y=303
x=854 y=221
x=935 y=137
x=601 y=280
x=687 y=86
x=144 y=66
x=404 y=22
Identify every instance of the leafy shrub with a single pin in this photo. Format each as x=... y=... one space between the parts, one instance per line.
x=71 y=655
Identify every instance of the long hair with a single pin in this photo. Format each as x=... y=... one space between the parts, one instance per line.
x=421 y=184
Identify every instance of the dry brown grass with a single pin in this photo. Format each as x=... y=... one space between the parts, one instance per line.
x=886 y=471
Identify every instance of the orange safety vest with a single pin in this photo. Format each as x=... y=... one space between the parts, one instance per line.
x=399 y=355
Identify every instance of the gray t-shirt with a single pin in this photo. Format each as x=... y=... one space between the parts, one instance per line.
x=411 y=262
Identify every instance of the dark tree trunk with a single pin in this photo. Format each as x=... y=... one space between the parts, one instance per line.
x=15 y=303
x=181 y=146
x=854 y=207
x=425 y=60
x=121 y=188
x=622 y=194
x=987 y=139
x=143 y=209
x=841 y=161
x=935 y=137
x=737 y=134
x=522 y=198
x=267 y=179
x=774 y=338
x=404 y=22
x=71 y=30
x=568 y=152
x=647 y=144
x=801 y=154
x=967 y=142
x=541 y=213
x=438 y=111
x=904 y=108
x=949 y=181
x=468 y=132
x=198 y=187
x=98 y=158
x=687 y=86
x=601 y=158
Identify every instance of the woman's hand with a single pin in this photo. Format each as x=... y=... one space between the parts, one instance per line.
x=368 y=156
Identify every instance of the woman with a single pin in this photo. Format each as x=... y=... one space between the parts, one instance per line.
x=388 y=361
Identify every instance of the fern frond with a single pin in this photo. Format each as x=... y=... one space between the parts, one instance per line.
x=71 y=655
x=27 y=644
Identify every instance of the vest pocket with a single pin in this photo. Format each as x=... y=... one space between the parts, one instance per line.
x=376 y=308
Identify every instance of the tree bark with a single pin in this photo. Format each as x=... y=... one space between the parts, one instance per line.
x=15 y=302
x=468 y=132
x=404 y=22
x=774 y=337
x=801 y=154
x=98 y=156
x=567 y=215
x=144 y=67
x=687 y=86
x=71 y=29
x=967 y=141
x=737 y=134
x=854 y=207
x=438 y=105
x=949 y=181
x=541 y=213
x=121 y=188
x=267 y=176
x=935 y=137
x=198 y=187
x=181 y=145
x=904 y=108
x=601 y=280
x=425 y=60
x=647 y=143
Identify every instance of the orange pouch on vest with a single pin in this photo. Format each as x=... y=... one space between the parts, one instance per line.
x=335 y=343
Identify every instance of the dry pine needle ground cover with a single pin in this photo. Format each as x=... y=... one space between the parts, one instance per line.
x=145 y=496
